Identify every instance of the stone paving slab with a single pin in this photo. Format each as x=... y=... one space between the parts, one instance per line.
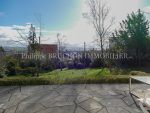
x=87 y=98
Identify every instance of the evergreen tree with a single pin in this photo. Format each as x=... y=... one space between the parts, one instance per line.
x=133 y=36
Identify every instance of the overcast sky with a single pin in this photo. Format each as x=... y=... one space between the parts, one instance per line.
x=58 y=16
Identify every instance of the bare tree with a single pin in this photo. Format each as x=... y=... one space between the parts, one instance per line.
x=28 y=38
x=22 y=39
x=61 y=47
x=61 y=41
x=99 y=17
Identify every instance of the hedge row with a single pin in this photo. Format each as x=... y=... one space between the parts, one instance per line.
x=45 y=81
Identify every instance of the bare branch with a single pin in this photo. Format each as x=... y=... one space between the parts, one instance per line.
x=99 y=15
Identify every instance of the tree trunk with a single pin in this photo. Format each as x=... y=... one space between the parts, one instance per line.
x=101 y=44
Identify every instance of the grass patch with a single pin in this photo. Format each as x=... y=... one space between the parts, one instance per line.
x=73 y=73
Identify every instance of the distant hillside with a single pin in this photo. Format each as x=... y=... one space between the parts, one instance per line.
x=7 y=48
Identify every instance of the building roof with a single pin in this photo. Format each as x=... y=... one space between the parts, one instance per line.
x=48 y=48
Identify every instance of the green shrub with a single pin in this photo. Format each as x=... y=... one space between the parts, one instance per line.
x=10 y=70
x=2 y=72
x=31 y=63
x=22 y=64
x=97 y=63
x=120 y=71
x=138 y=73
x=30 y=71
x=10 y=64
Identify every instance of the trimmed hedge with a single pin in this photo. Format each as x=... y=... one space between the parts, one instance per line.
x=25 y=81
x=108 y=80
x=46 y=81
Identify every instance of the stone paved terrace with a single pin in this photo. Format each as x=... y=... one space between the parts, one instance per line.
x=102 y=98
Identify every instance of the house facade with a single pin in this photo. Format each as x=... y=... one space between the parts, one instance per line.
x=48 y=48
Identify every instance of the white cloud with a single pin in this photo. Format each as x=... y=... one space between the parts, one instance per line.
x=82 y=31
x=10 y=34
x=120 y=8
x=78 y=34
x=146 y=9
